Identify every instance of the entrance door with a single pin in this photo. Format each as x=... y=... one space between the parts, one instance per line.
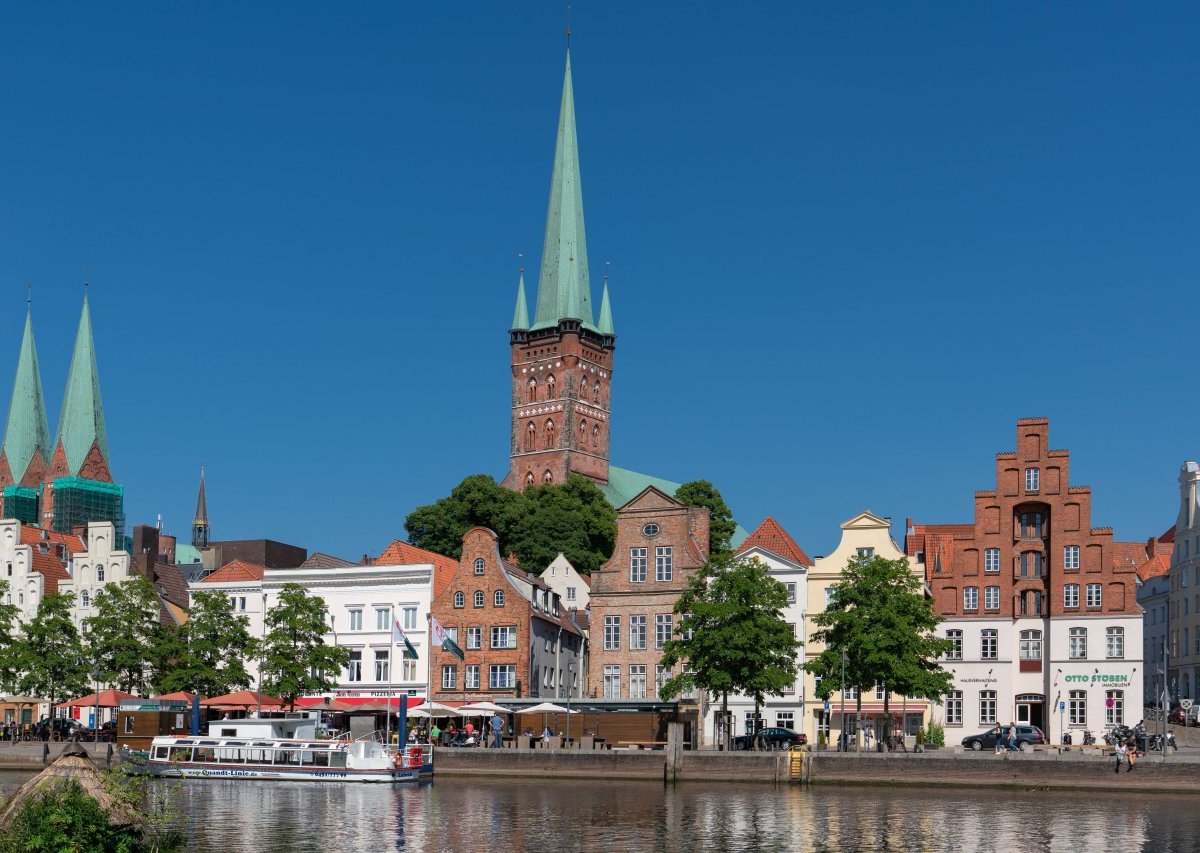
x=1030 y=714
x=1023 y=714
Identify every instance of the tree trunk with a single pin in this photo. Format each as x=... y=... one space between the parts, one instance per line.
x=857 y=717
x=757 y=727
x=887 y=717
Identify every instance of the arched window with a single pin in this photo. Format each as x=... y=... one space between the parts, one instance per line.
x=550 y=387
x=20 y=598
x=529 y=479
x=532 y=390
x=498 y=598
x=479 y=565
x=549 y=433
x=83 y=598
x=100 y=574
x=459 y=599
x=547 y=477
x=530 y=436
x=479 y=598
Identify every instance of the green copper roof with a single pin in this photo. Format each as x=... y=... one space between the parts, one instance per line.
x=564 y=291
x=521 y=315
x=606 y=324
x=28 y=430
x=82 y=419
x=624 y=485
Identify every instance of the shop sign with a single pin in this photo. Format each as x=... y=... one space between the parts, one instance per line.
x=1116 y=679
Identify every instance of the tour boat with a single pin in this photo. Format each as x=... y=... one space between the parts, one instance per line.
x=282 y=748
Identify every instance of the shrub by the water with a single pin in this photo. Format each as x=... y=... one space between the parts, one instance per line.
x=63 y=818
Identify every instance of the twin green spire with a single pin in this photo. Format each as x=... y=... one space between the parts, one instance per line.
x=81 y=423
x=564 y=288
x=27 y=433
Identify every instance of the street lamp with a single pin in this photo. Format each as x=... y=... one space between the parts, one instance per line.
x=842 y=735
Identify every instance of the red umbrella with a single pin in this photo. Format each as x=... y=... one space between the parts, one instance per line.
x=105 y=699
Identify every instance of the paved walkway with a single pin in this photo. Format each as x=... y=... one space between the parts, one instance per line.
x=29 y=754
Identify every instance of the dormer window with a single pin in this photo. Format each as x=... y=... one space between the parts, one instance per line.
x=1033 y=479
x=479 y=564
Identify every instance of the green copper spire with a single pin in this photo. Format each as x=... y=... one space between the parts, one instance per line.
x=81 y=423
x=564 y=291
x=28 y=431
x=521 y=315
x=606 y=324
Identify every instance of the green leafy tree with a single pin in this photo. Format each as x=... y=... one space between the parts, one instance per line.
x=8 y=657
x=721 y=524
x=125 y=640
x=50 y=655
x=210 y=650
x=879 y=616
x=297 y=659
x=732 y=635
x=571 y=517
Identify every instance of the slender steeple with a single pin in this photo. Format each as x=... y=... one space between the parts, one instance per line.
x=26 y=451
x=81 y=444
x=564 y=291
x=520 y=321
x=605 y=327
x=200 y=523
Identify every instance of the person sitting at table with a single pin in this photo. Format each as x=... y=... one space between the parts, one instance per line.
x=546 y=735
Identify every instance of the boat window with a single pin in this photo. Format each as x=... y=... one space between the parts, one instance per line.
x=181 y=754
x=228 y=732
x=203 y=753
x=160 y=752
x=184 y=742
x=320 y=759
x=337 y=759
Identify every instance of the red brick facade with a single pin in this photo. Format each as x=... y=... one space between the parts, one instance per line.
x=469 y=603
x=660 y=544
x=561 y=388
x=1031 y=536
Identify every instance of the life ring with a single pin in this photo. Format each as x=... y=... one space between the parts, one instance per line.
x=399 y=761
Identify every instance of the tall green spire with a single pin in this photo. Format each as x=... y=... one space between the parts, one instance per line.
x=564 y=291
x=81 y=423
x=521 y=315
x=28 y=431
x=606 y=324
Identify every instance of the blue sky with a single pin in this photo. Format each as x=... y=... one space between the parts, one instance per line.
x=850 y=245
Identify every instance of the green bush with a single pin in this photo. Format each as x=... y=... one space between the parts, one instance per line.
x=64 y=819
x=935 y=734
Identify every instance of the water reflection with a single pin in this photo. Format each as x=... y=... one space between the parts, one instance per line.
x=565 y=815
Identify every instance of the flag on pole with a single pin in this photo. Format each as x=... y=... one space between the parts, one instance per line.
x=398 y=636
x=441 y=638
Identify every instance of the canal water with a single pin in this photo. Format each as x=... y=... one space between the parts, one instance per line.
x=629 y=817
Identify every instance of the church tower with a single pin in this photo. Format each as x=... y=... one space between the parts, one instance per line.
x=562 y=361
x=25 y=454
x=200 y=522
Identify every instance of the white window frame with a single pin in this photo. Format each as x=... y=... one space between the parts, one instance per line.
x=637 y=681
x=356 y=620
x=471 y=677
x=479 y=566
x=504 y=636
x=354 y=668
x=502 y=676
x=664 y=563
x=991 y=561
x=383 y=666
x=612 y=681
x=1031 y=644
x=955 y=636
x=637 y=632
x=383 y=618
x=1095 y=595
x=410 y=618
x=474 y=637
x=449 y=677
x=664 y=624
x=612 y=633
x=1077 y=644
x=987 y=707
x=1115 y=715
x=1077 y=708
x=970 y=598
x=954 y=708
x=989 y=640
x=1033 y=480
x=991 y=598
x=637 y=565
x=1114 y=642
x=1071 y=595
x=1071 y=558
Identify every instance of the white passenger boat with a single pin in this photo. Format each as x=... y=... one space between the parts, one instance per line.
x=282 y=748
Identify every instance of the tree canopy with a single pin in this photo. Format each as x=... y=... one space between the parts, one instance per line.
x=296 y=658
x=210 y=650
x=732 y=635
x=571 y=517
x=721 y=525
x=879 y=615
x=125 y=641
x=49 y=655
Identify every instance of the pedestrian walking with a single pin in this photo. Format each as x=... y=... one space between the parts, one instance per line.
x=1012 y=737
x=998 y=733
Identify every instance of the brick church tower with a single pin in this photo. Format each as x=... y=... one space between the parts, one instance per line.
x=562 y=361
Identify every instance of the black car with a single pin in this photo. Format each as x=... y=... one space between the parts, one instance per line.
x=1025 y=734
x=774 y=738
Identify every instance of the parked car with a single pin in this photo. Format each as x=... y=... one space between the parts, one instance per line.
x=1025 y=734
x=773 y=738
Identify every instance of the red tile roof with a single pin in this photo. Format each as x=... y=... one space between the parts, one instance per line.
x=771 y=537
x=403 y=554
x=238 y=570
x=47 y=563
x=1155 y=567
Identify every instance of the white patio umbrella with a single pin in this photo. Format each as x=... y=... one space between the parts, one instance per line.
x=484 y=708
x=546 y=708
x=436 y=709
x=417 y=714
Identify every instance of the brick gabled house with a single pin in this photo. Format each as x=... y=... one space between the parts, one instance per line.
x=1040 y=604
x=516 y=637
x=661 y=542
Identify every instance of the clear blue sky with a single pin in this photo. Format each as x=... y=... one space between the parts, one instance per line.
x=850 y=245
